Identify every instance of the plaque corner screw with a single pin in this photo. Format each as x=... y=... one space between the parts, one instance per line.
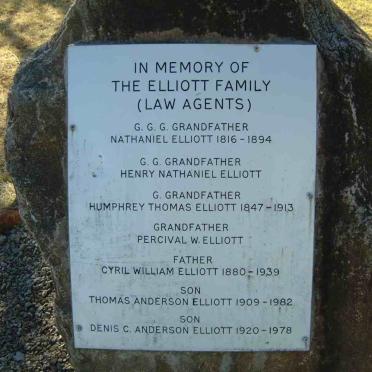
x=309 y=195
x=79 y=328
x=256 y=48
x=305 y=339
x=72 y=127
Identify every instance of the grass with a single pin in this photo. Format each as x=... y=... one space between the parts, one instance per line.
x=360 y=11
x=26 y=24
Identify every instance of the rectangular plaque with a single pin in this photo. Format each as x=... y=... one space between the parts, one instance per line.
x=191 y=175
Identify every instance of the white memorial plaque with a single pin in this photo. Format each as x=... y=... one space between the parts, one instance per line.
x=191 y=175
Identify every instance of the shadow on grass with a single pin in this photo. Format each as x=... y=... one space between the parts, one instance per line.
x=15 y=37
x=63 y=5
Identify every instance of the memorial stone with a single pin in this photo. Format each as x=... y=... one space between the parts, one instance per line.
x=178 y=168
x=190 y=187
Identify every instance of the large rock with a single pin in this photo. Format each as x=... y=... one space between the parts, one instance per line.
x=36 y=156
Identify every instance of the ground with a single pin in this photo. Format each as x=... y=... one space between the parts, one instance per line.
x=29 y=339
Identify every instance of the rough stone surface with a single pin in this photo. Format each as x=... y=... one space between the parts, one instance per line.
x=36 y=155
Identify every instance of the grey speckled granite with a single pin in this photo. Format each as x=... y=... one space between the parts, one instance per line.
x=36 y=157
